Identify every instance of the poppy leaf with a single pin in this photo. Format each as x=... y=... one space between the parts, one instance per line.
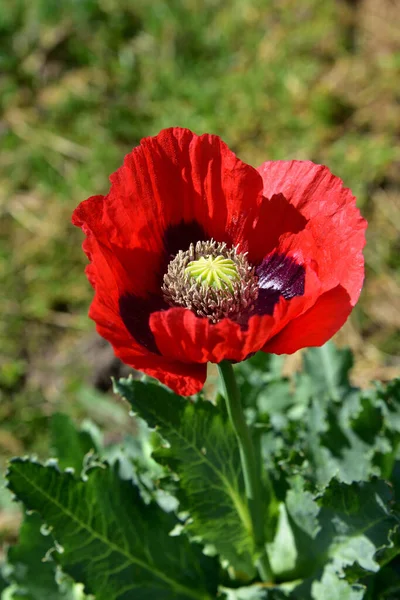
x=109 y=539
x=341 y=537
x=356 y=436
x=331 y=587
x=328 y=368
x=70 y=444
x=326 y=431
x=31 y=569
x=255 y=592
x=202 y=450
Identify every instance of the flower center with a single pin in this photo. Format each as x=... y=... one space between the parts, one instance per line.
x=212 y=280
x=216 y=271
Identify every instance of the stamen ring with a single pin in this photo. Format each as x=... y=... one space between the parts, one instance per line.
x=212 y=280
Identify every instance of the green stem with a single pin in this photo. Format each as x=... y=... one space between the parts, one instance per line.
x=251 y=474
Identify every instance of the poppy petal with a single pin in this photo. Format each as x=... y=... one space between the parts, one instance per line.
x=201 y=341
x=192 y=179
x=173 y=189
x=276 y=216
x=103 y=273
x=299 y=225
x=106 y=237
x=315 y=326
x=332 y=217
x=185 y=379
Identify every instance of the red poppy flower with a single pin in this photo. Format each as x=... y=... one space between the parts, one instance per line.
x=174 y=287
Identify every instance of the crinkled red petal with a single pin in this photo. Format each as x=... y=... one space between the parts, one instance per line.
x=103 y=273
x=183 y=336
x=315 y=326
x=184 y=379
x=178 y=177
x=177 y=188
x=276 y=217
x=104 y=219
x=185 y=177
x=332 y=218
x=171 y=179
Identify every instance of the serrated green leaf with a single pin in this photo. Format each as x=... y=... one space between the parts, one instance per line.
x=74 y=592
x=334 y=448
x=386 y=555
x=331 y=587
x=303 y=508
x=347 y=529
x=203 y=451
x=356 y=521
x=296 y=552
x=133 y=455
x=357 y=437
x=112 y=542
x=282 y=551
x=257 y=592
x=30 y=566
x=70 y=444
x=274 y=401
x=385 y=585
x=352 y=438
x=255 y=374
x=385 y=402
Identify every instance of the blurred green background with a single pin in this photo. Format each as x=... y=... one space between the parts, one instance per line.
x=81 y=81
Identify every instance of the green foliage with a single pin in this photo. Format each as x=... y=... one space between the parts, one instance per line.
x=71 y=445
x=356 y=523
x=322 y=537
x=112 y=542
x=31 y=568
x=201 y=449
x=327 y=370
x=322 y=426
x=331 y=587
x=255 y=592
x=322 y=437
x=3 y=583
x=324 y=442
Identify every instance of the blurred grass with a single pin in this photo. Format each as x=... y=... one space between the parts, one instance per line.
x=82 y=81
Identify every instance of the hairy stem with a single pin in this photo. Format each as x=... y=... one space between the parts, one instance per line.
x=251 y=474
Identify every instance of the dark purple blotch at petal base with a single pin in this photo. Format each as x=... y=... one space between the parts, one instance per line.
x=180 y=236
x=135 y=313
x=279 y=275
